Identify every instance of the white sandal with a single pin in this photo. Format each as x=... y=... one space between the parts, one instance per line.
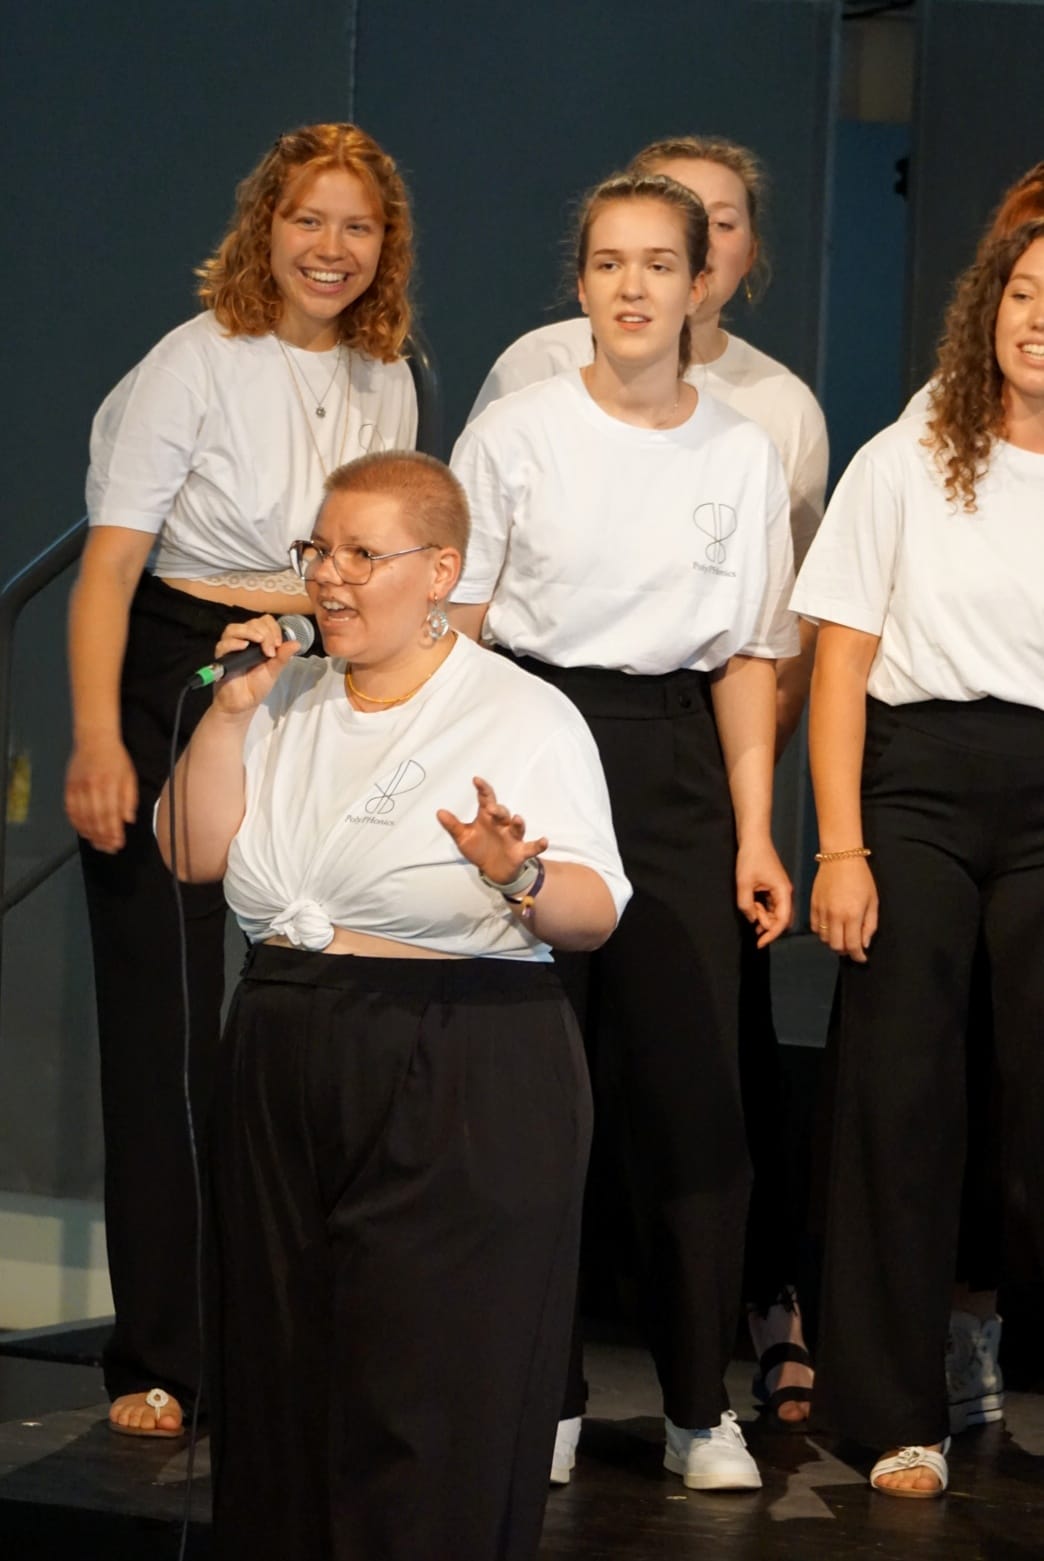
x=913 y=1458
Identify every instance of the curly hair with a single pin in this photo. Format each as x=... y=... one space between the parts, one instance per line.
x=1021 y=203
x=728 y=154
x=237 y=282
x=644 y=187
x=966 y=401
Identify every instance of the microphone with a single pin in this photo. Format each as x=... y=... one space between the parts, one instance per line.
x=292 y=626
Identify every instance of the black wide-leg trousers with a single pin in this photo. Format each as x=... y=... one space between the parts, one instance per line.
x=953 y=809
x=660 y=1008
x=150 y=1204
x=398 y=1151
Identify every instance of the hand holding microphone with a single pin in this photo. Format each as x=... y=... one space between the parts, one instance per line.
x=249 y=658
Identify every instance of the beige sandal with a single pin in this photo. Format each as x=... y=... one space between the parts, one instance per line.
x=913 y=1458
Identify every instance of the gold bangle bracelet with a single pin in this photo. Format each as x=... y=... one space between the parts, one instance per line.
x=840 y=856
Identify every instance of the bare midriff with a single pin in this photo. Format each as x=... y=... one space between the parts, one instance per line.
x=345 y=941
x=242 y=599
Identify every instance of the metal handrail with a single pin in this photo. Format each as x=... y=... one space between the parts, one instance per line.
x=18 y=591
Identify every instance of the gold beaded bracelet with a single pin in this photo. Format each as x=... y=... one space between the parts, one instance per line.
x=841 y=856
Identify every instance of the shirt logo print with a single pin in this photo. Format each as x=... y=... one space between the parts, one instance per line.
x=717 y=521
x=406 y=776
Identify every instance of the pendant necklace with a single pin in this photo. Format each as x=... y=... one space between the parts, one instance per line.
x=321 y=409
x=320 y=402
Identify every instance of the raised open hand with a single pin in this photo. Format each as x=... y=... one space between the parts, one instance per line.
x=494 y=841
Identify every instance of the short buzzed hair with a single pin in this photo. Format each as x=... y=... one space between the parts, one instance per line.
x=434 y=504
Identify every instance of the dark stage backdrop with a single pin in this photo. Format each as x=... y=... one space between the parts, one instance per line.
x=127 y=127
x=502 y=113
x=979 y=124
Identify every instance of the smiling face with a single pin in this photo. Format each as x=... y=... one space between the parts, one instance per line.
x=381 y=624
x=636 y=284
x=1019 y=332
x=325 y=249
x=732 y=247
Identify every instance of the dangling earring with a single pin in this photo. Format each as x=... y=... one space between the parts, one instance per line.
x=436 y=622
x=747 y=290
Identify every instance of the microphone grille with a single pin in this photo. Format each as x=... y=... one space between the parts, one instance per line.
x=295 y=626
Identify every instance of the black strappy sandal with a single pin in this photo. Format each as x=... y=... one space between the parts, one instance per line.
x=769 y=1403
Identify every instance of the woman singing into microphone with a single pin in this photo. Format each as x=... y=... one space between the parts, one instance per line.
x=402 y=1114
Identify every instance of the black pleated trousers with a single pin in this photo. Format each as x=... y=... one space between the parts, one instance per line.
x=150 y=1209
x=398 y=1155
x=953 y=809
x=660 y=1005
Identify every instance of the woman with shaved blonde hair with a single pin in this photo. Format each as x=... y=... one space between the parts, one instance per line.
x=207 y=460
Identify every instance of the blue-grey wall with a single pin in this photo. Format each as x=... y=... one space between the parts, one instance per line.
x=502 y=113
x=979 y=125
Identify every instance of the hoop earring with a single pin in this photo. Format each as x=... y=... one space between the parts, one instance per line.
x=436 y=622
x=747 y=290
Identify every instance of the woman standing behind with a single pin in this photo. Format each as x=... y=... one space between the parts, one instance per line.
x=630 y=544
x=207 y=460
x=927 y=742
x=731 y=183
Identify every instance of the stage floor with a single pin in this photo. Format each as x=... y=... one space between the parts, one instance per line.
x=66 y=1481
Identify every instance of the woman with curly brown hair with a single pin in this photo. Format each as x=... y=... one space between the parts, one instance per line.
x=974 y=1379
x=207 y=460
x=927 y=746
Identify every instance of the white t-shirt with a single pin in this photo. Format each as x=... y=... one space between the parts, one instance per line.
x=917 y=406
x=601 y=544
x=340 y=827
x=743 y=377
x=957 y=599
x=206 y=444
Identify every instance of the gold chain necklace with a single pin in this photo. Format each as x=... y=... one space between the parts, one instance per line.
x=304 y=410
x=400 y=699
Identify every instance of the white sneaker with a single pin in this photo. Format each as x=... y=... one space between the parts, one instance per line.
x=973 y=1378
x=563 y=1459
x=713 y=1460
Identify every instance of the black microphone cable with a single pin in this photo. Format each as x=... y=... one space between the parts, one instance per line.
x=293 y=627
x=190 y=1121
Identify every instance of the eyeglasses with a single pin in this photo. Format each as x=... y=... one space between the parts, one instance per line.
x=354 y=565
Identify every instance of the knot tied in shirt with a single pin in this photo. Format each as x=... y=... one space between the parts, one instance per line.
x=306 y=925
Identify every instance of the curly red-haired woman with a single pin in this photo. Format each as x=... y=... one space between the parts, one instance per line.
x=207 y=460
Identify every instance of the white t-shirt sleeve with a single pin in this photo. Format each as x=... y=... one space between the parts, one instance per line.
x=848 y=575
x=562 y=794
x=489 y=504
x=775 y=631
x=808 y=479
x=142 y=444
x=505 y=376
x=534 y=357
x=919 y=403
